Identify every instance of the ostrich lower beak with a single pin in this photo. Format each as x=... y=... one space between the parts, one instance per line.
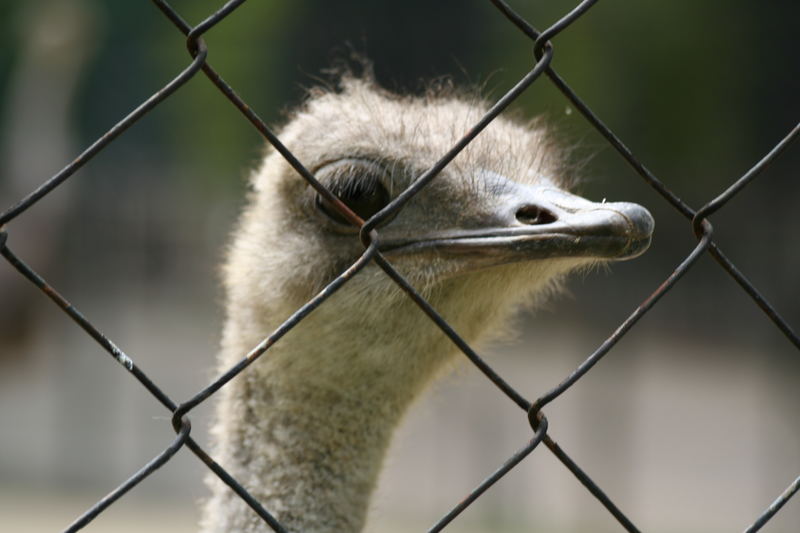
x=545 y=222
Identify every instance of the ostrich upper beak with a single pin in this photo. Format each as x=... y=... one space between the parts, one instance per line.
x=523 y=223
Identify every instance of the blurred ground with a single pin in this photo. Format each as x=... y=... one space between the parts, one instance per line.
x=657 y=437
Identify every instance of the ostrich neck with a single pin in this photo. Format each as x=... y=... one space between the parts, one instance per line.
x=306 y=428
x=315 y=452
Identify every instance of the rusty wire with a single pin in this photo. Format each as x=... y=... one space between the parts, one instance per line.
x=542 y=56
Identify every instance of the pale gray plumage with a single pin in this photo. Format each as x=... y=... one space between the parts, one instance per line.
x=305 y=428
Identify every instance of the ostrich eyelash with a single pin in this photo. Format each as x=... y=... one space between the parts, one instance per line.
x=349 y=175
x=351 y=183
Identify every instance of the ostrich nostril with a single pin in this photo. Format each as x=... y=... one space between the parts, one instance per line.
x=534 y=215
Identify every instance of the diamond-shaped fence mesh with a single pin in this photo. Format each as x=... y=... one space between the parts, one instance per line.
x=541 y=440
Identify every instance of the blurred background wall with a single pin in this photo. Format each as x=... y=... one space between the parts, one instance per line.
x=690 y=424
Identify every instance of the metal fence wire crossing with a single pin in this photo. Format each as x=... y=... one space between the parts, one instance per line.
x=541 y=59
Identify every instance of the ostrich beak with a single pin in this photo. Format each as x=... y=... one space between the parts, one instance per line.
x=523 y=223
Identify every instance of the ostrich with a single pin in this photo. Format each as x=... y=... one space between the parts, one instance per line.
x=305 y=428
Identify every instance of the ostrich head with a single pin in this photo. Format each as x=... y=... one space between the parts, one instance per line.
x=305 y=428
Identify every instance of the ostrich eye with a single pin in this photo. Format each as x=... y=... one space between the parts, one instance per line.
x=357 y=183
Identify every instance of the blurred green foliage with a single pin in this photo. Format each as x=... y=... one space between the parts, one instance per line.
x=690 y=81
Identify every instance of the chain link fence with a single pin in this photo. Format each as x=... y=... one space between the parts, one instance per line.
x=697 y=220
